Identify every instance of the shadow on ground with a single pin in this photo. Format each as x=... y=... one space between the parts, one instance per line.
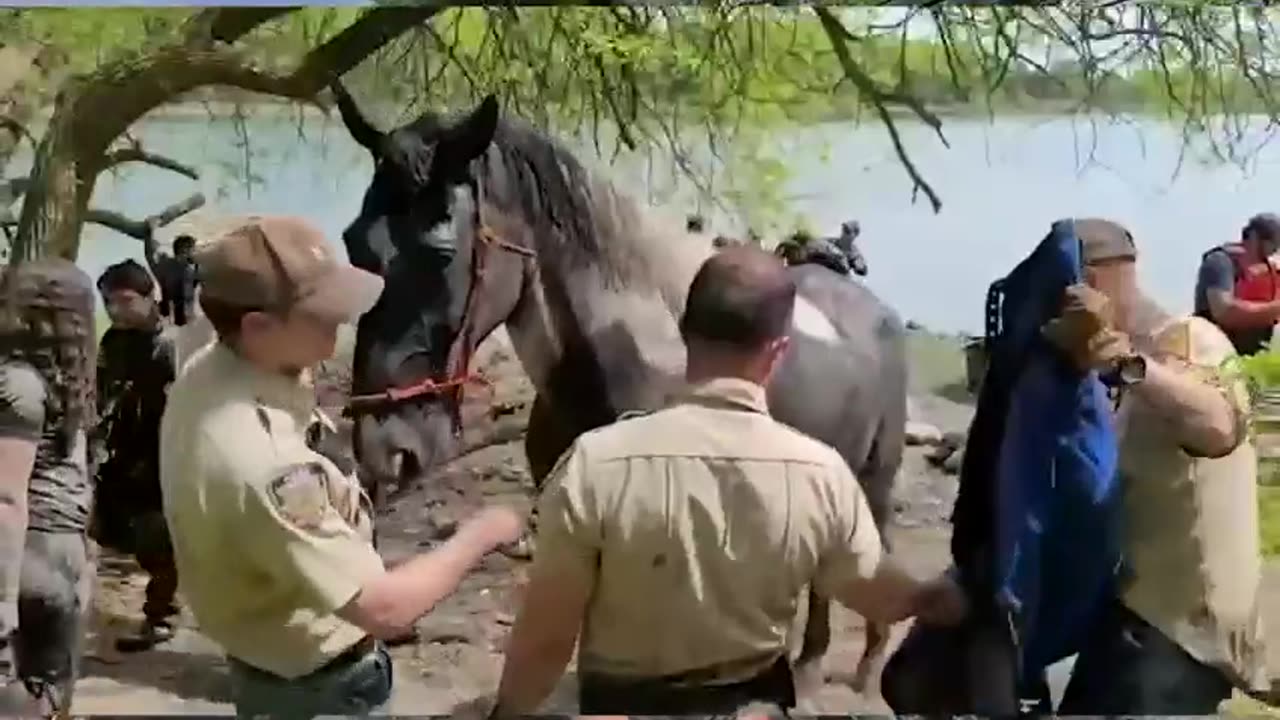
x=177 y=667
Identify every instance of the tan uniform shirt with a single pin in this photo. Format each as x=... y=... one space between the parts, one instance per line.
x=1192 y=523
x=270 y=538
x=699 y=526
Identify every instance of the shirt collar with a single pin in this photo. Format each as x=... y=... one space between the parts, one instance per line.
x=294 y=395
x=736 y=393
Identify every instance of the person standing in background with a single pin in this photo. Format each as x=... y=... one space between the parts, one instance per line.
x=178 y=277
x=135 y=368
x=1238 y=286
x=47 y=368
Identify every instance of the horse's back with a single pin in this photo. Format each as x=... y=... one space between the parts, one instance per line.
x=845 y=379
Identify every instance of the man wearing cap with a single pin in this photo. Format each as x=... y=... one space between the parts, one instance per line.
x=271 y=538
x=1184 y=629
x=1237 y=287
x=679 y=542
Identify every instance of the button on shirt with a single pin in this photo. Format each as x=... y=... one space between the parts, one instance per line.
x=699 y=527
x=270 y=538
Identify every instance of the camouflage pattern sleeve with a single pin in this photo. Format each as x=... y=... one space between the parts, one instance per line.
x=1199 y=349
x=22 y=402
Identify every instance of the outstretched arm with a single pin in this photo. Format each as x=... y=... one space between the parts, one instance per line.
x=1217 y=277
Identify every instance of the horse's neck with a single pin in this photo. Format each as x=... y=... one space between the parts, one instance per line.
x=631 y=327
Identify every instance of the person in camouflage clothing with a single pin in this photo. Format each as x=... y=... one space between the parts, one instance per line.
x=135 y=369
x=840 y=255
x=47 y=369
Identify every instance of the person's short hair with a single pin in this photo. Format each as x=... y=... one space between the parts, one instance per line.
x=225 y=317
x=741 y=297
x=126 y=275
x=1262 y=226
x=183 y=243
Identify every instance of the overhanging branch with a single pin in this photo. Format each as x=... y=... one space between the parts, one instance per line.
x=144 y=229
x=880 y=99
x=137 y=154
x=137 y=86
x=228 y=24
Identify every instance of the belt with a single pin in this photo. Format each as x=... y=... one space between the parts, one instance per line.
x=342 y=660
x=600 y=694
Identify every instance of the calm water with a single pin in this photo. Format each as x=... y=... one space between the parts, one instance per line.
x=1001 y=182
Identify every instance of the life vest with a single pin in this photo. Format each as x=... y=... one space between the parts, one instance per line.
x=1255 y=281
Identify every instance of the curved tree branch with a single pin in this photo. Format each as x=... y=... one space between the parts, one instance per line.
x=228 y=24
x=880 y=99
x=137 y=154
x=144 y=229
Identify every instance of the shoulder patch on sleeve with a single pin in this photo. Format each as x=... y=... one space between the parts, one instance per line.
x=300 y=494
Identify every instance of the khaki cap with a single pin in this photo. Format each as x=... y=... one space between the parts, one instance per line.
x=282 y=263
x=1103 y=240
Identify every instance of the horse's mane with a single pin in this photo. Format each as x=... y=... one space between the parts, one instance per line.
x=580 y=219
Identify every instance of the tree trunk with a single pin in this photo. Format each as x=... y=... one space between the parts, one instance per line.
x=57 y=197
x=26 y=73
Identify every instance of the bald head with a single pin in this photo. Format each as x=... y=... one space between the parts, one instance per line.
x=741 y=298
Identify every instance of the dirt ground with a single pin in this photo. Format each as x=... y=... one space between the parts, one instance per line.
x=454 y=666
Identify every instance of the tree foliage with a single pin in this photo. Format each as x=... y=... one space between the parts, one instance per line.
x=710 y=86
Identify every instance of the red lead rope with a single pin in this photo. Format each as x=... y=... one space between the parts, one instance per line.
x=461 y=353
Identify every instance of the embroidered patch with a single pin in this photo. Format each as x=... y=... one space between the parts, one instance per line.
x=300 y=495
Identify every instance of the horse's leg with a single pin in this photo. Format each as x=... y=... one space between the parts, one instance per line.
x=545 y=440
x=879 y=490
x=816 y=641
x=877 y=478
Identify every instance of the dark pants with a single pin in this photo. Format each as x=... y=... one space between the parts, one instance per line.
x=611 y=695
x=1130 y=668
x=53 y=599
x=154 y=552
x=356 y=683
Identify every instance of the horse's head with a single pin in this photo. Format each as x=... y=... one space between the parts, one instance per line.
x=420 y=227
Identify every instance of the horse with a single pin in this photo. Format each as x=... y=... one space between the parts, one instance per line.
x=478 y=221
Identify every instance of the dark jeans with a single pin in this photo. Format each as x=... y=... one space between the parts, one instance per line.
x=356 y=683
x=1130 y=668
x=610 y=695
x=53 y=597
x=154 y=552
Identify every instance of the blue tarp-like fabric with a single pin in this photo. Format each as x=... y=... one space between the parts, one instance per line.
x=1057 y=545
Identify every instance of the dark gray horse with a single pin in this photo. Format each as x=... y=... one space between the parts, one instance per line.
x=480 y=222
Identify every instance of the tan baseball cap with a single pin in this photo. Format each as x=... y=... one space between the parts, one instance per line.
x=282 y=263
x=1102 y=240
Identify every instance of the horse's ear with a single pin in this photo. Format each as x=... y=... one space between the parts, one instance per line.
x=473 y=135
x=360 y=129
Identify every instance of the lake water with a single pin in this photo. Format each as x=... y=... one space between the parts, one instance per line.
x=1002 y=183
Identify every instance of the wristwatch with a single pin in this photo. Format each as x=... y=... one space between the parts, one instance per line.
x=1126 y=371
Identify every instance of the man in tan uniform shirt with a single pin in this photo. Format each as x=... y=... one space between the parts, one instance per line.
x=680 y=541
x=1185 y=628
x=272 y=539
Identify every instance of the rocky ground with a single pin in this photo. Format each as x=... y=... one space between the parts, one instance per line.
x=454 y=667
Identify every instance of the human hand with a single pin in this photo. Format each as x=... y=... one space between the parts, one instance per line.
x=1084 y=329
x=496 y=525
x=942 y=602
